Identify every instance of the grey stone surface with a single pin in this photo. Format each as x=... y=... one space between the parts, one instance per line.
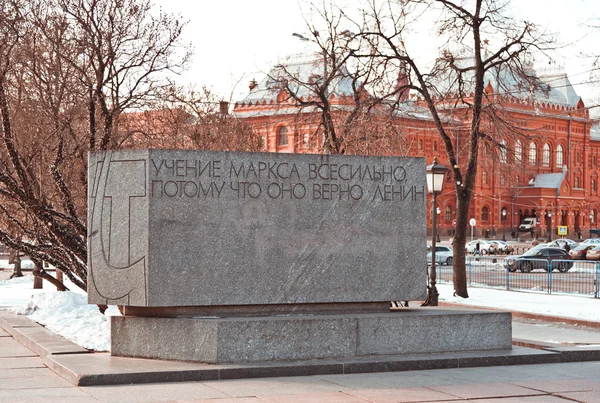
x=199 y=228
x=10 y=321
x=11 y=348
x=44 y=342
x=252 y=339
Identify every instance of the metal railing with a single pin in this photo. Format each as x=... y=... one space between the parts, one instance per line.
x=578 y=277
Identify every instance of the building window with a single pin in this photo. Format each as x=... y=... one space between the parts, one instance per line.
x=282 y=136
x=518 y=151
x=559 y=156
x=484 y=177
x=532 y=154
x=420 y=144
x=305 y=140
x=593 y=186
x=485 y=214
x=546 y=156
x=502 y=180
x=518 y=180
x=263 y=142
x=593 y=161
x=435 y=146
x=577 y=157
x=448 y=214
x=503 y=152
x=577 y=183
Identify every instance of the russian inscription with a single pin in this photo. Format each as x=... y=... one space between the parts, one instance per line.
x=184 y=178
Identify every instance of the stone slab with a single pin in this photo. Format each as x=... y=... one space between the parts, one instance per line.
x=44 y=342
x=11 y=348
x=302 y=337
x=9 y=321
x=232 y=228
x=104 y=369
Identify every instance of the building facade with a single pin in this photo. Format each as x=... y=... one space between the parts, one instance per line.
x=549 y=171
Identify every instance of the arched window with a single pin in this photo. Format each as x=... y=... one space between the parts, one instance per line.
x=484 y=177
x=593 y=186
x=502 y=180
x=435 y=146
x=263 y=142
x=577 y=183
x=485 y=214
x=448 y=214
x=559 y=156
x=518 y=151
x=532 y=154
x=282 y=136
x=420 y=144
x=503 y=152
x=546 y=156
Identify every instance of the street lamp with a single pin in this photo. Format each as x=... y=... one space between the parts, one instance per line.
x=550 y=232
x=438 y=211
x=591 y=222
x=435 y=182
x=504 y=224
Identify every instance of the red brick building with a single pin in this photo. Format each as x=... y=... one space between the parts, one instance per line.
x=549 y=171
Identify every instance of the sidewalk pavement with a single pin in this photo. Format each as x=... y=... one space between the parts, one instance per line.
x=27 y=361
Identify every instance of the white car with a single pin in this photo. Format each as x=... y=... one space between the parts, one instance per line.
x=593 y=241
x=443 y=255
x=485 y=247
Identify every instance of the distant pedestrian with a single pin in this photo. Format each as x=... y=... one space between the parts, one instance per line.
x=567 y=247
x=477 y=249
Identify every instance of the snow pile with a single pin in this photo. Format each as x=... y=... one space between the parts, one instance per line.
x=583 y=308
x=69 y=315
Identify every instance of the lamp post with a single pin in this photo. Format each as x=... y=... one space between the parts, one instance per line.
x=438 y=211
x=504 y=224
x=550 y=232
x=435 y=183
x=591 y=222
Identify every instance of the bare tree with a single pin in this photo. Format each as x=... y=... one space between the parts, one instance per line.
x=481 y=42
x=68 y=71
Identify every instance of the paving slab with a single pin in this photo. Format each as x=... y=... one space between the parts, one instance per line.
x=166 y=392
x=9 y=321
x=11 y=348
x=7 y=373
x=549 y=333
x=44 y=342
x=3 y=333
x=53 y=395
x=400 y=395
x=47 y=380
x=561 y=385
x=331 y=397
x=486 y=390
x=21 y=362
x=587 y=397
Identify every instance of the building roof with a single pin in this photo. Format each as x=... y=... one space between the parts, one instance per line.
x=298 y=76
x=549 y=181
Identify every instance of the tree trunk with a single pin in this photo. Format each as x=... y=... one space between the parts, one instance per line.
x=459 y=241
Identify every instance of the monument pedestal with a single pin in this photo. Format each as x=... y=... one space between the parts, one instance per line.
x=304 y=337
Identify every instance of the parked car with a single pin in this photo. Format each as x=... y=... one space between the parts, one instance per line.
x=503 y=247
x=485 y=247
x=580 y=252
x=443 y=254
x=539 y=258
x=560 y=243
x=591 y=241
x=593 y=253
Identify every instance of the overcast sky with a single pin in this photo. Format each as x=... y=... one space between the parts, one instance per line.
x=237 y=40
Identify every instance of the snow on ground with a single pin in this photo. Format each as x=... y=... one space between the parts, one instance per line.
x=68 y=314
x=65 y=313
x=584 y=308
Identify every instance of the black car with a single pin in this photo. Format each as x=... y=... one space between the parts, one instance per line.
x=540 y=258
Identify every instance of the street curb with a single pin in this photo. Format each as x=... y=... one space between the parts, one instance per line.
x=529 y=315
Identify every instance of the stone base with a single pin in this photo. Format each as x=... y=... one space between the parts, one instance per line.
x=305 y=337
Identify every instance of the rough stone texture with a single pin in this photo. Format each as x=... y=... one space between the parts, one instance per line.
x=199 y=228
x=253 y=339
